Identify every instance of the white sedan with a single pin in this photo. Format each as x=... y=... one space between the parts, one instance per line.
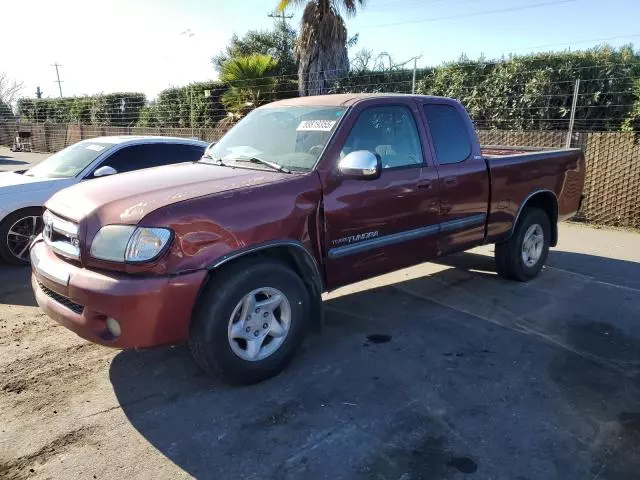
x=23 y=194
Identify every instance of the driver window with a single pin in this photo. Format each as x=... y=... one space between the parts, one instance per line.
x=390 y=132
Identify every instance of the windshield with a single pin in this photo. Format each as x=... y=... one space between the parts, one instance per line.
x=70 y=161
x=292 y=137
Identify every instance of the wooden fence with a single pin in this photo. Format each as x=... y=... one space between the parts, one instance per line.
x=51 y=137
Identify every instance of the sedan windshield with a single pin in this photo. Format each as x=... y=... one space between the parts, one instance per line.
x=292 y=137
x=70 y=161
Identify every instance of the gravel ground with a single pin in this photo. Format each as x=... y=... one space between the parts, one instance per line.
x=441 y=371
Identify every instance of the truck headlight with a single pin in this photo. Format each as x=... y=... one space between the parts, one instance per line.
x=146 y=244
x=124 y=243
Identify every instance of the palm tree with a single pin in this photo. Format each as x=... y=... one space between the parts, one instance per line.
x=250 y=81
x=321 y=48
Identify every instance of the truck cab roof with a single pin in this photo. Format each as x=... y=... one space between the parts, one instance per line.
x=348 y=99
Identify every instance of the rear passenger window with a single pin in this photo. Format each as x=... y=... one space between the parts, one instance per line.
x=449 y=133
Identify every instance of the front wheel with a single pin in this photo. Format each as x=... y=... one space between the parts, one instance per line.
x=250 y=321
x=524 y=254
x=17 y=231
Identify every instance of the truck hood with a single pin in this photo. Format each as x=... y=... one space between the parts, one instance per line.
x=11 y=183
x=126 y=198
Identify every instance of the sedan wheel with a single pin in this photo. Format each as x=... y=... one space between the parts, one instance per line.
x=17 y=232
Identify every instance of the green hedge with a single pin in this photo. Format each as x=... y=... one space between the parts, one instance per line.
x=173 y=107
x=522 y=92
x=398 y=81
x=536 y=91
x=180 y=106
x=120 y=109
x=528 y=91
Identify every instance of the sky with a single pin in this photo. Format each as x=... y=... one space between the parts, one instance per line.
x=148 y=45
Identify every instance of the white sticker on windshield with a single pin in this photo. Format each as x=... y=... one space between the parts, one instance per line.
x=316 y=125
x=95 y=148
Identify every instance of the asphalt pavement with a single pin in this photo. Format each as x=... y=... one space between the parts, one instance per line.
x=440 y=371
x=10 y=161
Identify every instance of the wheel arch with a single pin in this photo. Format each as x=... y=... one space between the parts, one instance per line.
x=291 y=253
x=545 y=200
x=7 y=213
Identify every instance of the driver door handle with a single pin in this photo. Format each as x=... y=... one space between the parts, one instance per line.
x=424 y=184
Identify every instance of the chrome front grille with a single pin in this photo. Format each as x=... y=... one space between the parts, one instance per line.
x=61 y=299
x=61 y=235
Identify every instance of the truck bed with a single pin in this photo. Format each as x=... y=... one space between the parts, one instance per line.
x=512 y=169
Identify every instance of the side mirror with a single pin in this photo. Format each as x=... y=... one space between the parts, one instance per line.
x=361 y=164
x=105 y=171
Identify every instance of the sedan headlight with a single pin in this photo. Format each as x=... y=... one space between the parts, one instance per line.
x=124 y=243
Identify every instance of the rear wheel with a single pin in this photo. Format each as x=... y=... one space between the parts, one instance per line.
x=250 y=321
x=524 y=254
x=17 y=231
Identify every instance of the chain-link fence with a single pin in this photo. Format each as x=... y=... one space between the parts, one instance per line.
x=612 y=187
x=529 y=138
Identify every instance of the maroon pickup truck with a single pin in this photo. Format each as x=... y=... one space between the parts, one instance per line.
x=233 y=252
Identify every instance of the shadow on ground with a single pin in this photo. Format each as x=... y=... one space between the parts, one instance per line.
x=5 y=160
x=602 y=269
x=434 y=377
x=15 y=286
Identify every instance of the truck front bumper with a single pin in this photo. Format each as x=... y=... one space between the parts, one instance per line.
x=148 y=311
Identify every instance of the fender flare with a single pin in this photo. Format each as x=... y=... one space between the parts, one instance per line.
x=553 y=221
x=305 y=264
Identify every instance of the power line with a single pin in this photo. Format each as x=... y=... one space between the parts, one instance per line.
x=569 y=44
x=473 y=14
x=59 y=82
x=404 y=4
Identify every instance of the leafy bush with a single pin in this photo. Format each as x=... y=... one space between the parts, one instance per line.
x=5 y=111
x=191 y=105
x=148 y=116
x=250 y=81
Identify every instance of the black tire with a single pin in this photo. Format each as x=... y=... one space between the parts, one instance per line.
x=208 y=336
x=9 y=243
x=508 y=254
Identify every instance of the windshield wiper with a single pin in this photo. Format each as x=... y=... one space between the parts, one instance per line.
x=275 y=166
x=216 y=161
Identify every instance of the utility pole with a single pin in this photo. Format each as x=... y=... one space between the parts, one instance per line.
x=572 y=117
x=282 y=16
x=413 y=83
x=38 y=97
x=59 y=82
x=284 y=31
